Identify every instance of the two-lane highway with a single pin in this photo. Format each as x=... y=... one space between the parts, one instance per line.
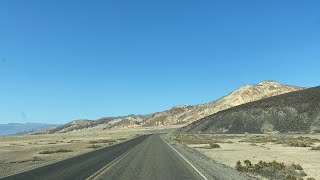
x=151 y=159
x=144 y=158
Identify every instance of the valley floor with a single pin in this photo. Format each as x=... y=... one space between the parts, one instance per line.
x=255 y=148
x=22 y=153
x=25 y=152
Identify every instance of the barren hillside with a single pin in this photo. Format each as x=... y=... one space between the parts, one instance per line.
x=297 y=112
x=245 y=94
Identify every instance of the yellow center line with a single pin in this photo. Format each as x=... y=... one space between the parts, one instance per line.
x=108 y=166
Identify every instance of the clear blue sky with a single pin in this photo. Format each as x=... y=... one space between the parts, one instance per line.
x=62 y=60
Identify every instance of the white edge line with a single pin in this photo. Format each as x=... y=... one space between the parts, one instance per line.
x=188 y=162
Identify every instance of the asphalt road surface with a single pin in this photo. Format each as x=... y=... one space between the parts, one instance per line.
x=144 y=158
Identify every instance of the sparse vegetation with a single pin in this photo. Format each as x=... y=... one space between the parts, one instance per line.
x=102 y=141
x=285 y=140
x=199 y=139
x=95 y=146
x=74 y=141
x=211 y=145
x=30 y=151
x=271 y=143
x=272 y=170
x=214 y=145
x=253 y=140
x=316 y=148
x=297 y=166
x=37 y=159
x=34 y=159
x=57 y=151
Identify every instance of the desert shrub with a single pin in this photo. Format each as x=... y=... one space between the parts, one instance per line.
x=302 y=173
x=198 y=139
x=239 y=166
x=37 y=159
x=297 y=143
x=102 y=141
x=317 y=148
x=272 y=170
x=287 y=141
x=247 y=163
x=46 y=152
x=57 y=151
x=214 y=145
x=63 y=150
x=290 y=177
x=297 y=166
x=270 y=173
x=94 y=146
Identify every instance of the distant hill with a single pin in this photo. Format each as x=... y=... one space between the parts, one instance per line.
x=15 y=128
x=102 y=123
x=294 y=112
x=182 y=114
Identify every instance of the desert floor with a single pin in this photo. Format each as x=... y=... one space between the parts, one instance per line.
x=25 y=152
x=256 y=148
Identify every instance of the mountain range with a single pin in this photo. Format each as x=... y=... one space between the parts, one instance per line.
x=294 y=112
x=182 y=114
x=14 y=128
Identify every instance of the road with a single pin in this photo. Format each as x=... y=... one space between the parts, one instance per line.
x=143 y=158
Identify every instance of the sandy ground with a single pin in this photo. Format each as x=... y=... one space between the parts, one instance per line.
x=21 y=153
x=230 y=153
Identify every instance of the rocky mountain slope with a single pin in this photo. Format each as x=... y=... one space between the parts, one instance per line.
x=182 y=114
x=245 y=94
x=297 y=112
